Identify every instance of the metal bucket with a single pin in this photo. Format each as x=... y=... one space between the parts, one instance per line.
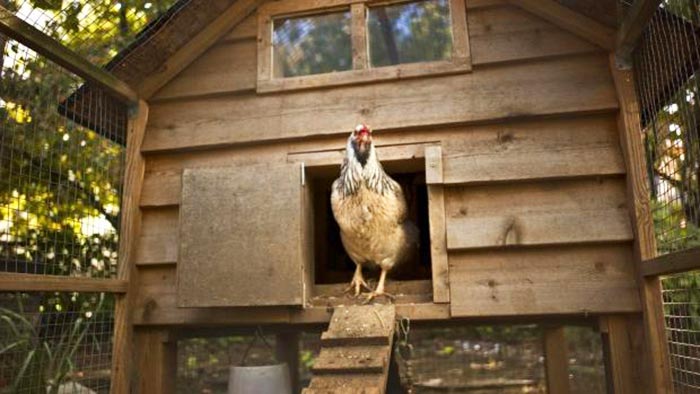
x=267 y=379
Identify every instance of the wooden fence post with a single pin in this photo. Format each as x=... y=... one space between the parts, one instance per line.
x=126 y=269
x=656 y=360
x=156 y=361
x=556 y=360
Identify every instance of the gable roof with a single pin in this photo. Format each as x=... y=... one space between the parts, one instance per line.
x=181 y=27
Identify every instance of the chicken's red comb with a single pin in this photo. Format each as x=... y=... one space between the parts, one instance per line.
x=362 y=127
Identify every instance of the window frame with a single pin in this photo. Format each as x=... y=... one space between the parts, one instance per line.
x=361 y=71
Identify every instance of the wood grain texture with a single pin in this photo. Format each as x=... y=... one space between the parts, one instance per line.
x=156 y=363
x=510 y=34
x=566 y=18
x=556 y=360
x=514 y=150
x=238 y=11
x=580 y=84
x=672 y=263
x=158 y=241
x=617 y=335
x=543 y=213
x=497 y=35
x=521 y=282
x=126 y=267
x=10 y=281
x=436 y=215
x=238 y=233
x=655 y=358
x=224 y=68
x=247 y=29
x=637 y=18
x=156 y=305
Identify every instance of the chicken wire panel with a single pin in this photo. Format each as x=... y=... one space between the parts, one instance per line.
x=96 y=29
x=666 y=63
x=55 y=342
x=495 y=359
x=61 y=169
x=681 y=300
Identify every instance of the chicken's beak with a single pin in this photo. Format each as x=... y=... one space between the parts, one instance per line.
x=364 y=138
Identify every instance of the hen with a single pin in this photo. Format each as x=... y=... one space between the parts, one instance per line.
x=371 y=211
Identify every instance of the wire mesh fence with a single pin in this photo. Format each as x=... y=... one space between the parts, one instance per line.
x=62 y=157
x=667 y=70
x=55 y=342
x=466 y=359
x=60 y=181
x=666 y=61
x=681 y=295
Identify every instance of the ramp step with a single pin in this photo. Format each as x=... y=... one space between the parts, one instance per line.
x=355 y=351
x=358 y=359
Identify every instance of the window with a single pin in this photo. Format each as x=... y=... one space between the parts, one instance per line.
x=304 y=45
x=409 y=33
x=311 y=45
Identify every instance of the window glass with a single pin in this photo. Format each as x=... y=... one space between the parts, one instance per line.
x=418 y=31
x=311 y=45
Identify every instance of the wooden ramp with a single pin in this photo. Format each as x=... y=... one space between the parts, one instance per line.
x=355 y=351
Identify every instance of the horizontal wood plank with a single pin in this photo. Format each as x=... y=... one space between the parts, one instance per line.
x=10 y=281
x=224 y=68
x=156 y=305
x=158 y=241
x=518 y=151
x=580 y=84
x=509 y=34
x=555 y=280
x=672 y=263
x=538 y=229
x=247 y=29
x=538 y=213
x=497 y=34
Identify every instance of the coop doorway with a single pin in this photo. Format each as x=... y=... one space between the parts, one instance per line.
x=332 y=267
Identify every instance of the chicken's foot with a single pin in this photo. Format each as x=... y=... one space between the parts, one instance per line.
x=358 y=282
x=379 y=291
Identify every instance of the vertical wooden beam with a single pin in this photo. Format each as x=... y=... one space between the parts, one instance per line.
x=126 y=268
x=360 y=53
x=631 y=28
x=156 y=361
x=618 y=340
x=438 y=234
x=656 y=360
x=287 y=351
x=556 y=360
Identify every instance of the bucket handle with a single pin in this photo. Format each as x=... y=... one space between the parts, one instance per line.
x=258 y=335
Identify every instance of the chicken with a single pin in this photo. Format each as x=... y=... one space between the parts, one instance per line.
x=371 y=211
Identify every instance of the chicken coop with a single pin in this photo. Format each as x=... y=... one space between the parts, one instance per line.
x=167 y=167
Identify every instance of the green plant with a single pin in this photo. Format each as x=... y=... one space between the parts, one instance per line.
x=41 y=362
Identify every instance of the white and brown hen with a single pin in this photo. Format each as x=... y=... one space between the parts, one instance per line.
x=371 y=211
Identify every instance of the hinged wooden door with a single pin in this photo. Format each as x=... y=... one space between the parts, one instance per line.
x=241 y=239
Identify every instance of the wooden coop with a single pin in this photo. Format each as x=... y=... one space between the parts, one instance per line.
x=516 y=137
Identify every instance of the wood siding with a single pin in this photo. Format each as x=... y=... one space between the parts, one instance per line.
x=535 y=198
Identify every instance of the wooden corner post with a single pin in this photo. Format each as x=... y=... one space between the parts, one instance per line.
x=130 y=227
x=656 y=360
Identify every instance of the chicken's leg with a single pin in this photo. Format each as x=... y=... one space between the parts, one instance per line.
x=358 y=282
x=379 y=291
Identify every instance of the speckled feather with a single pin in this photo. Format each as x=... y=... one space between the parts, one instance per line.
x=370 y=209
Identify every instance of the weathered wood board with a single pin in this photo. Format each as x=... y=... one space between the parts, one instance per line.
x=241 y=237
x=553 y=280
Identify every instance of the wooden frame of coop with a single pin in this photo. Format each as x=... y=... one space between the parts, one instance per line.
x=527 y=145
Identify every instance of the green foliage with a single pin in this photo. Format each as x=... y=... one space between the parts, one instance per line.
x=37 y=357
